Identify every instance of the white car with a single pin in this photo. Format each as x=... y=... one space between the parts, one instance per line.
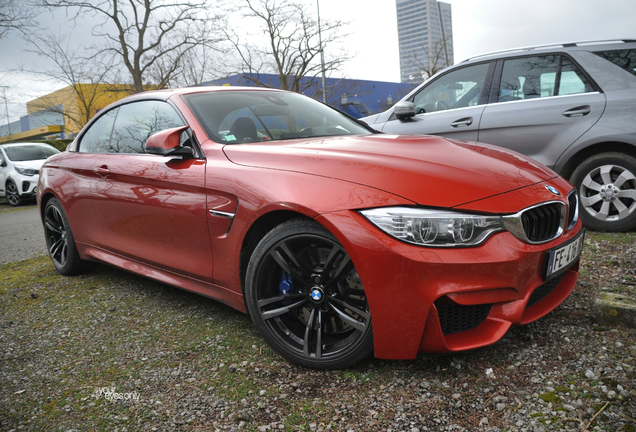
x=20 y=168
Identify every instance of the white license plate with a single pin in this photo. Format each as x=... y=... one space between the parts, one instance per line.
x=562 y=257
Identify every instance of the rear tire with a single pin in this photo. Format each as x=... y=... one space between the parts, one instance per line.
x=607 y=189
x=60 y=242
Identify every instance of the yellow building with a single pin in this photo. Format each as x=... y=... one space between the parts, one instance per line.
x=63 y=113
x=77 y=104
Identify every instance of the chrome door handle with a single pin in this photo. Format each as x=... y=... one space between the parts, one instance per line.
x=578 y=111
x=462 y=122
x=102 y=171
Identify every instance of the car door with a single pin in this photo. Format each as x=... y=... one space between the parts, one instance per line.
x=450 y=105
x=152 y=208
x=542 y=104
x=74 y=178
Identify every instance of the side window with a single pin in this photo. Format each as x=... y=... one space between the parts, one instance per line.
x=137 y=121
x=539 y=77
x=572 y=81
x=622 y=58
x=97 y=138
x=457 y=89
x=528 y=78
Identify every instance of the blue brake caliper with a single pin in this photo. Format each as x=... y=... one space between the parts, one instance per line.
x=285 y=287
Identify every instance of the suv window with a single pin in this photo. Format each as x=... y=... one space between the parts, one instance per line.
x=572 y=81
x=539 y=77
x=623 y=58
x=137 y=121
x=458 y=89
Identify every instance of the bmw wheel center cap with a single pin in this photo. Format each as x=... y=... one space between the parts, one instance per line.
x=317 y=295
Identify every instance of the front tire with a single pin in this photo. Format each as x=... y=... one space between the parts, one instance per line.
x=60 y=242
x=607 y=189
x=13 y=197
x=306 y=299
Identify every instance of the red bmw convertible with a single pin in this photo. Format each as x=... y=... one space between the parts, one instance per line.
x=338 y=241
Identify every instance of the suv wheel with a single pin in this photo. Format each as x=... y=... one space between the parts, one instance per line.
x=607 y=187
x=13 y=197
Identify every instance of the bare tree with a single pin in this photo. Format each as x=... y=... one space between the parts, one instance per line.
x=432 y=58
x=86 y=78
x=290 y=47
x=14 y=15
x=150 y=37
x=196 y=66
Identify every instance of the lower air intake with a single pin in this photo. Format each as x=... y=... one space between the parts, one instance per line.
x=456 y=318
x=543 y=290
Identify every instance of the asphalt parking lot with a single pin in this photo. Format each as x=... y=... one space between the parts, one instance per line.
x=22 y=236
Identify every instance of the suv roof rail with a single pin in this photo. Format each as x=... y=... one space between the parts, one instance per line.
x=555 y=45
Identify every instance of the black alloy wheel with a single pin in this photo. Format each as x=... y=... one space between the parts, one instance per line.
x=60 y=242
x=13 y=197
x=306 y=299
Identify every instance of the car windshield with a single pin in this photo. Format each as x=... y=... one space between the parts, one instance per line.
x=29 y=152
x=243 y=116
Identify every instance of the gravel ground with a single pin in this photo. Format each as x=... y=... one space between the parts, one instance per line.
x=112 y=351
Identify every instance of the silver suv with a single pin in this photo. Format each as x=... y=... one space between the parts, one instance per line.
x=570 y=106
x=20 y=169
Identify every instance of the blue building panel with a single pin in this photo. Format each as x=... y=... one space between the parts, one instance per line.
x=10 y=129
x=24 y=123
x=46 y=117
x=358 y=98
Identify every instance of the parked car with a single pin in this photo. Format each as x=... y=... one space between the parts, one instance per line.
x=339 y=241
x=571 y=107
x=19 y=168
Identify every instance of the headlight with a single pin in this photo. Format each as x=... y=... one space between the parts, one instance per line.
x=436 y=228
x=26 y=171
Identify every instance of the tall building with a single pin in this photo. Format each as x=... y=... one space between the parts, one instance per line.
x=425 y=34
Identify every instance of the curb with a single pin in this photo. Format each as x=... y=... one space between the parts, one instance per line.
x=615 y=310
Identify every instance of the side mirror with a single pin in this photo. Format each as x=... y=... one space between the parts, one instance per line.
x=167 y=143
x=3 y=163
x=404 y=110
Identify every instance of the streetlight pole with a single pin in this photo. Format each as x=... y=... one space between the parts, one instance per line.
x=322 y=57
x=6 y=107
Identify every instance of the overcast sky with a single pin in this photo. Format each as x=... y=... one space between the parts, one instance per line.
x=479 y=26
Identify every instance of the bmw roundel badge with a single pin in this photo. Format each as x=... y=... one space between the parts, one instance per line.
x=316 y=295
x=553 y=190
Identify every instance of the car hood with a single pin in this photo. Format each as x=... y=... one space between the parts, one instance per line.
x=370 y=119
x=427 y=170
x=34 y=164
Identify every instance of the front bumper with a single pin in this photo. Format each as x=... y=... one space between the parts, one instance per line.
x=447 y=300
x=27 y=186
